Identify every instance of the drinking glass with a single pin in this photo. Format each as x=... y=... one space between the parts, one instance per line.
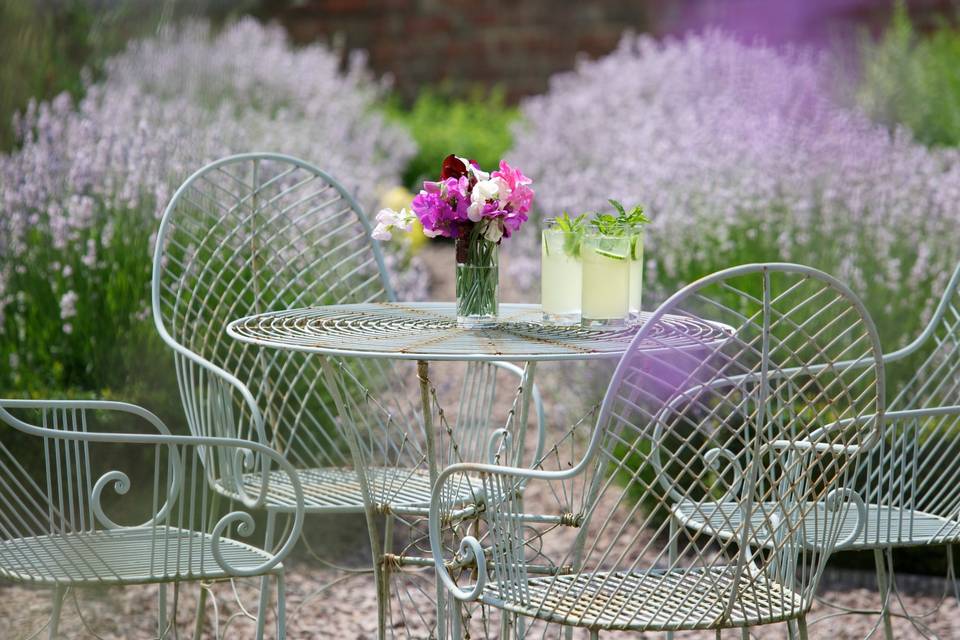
x=560 y=276
x=605 y=292
x=636 y=274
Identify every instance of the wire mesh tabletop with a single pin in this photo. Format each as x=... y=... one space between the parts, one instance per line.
x=428 y=331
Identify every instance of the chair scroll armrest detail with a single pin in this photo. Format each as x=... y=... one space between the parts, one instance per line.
x=834 y=502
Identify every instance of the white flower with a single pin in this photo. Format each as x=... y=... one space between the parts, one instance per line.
x=475 y=211
x=68 y=305
x=389 y=220
x=381 y=233
x=483 y=191
x=493 y=231
x=477 y=172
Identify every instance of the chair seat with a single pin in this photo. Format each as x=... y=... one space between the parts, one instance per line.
x=884 y=526
x=122 y=556
x=655 y=600
x=337 y=490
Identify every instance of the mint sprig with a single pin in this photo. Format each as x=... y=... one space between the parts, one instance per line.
x=630 y=219
x=573 y=229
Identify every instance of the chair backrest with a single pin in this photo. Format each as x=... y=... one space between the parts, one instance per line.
x=711 y=488
x=935 y=379
x=916 y=467
x=248 y=234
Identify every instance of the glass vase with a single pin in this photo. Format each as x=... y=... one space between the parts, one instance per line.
x=478 y=290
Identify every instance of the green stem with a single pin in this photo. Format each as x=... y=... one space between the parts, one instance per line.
x=477 y=277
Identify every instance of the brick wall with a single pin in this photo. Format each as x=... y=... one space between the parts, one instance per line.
x=519 y=44
x=515 y=44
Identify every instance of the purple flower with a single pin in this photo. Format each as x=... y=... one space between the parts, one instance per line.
x=451 y=207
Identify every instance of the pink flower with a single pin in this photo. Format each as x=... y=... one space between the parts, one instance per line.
x=518 y=194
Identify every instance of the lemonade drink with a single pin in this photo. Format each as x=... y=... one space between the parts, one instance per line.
x=636 y=274
x=606 y=280
x=560 y=276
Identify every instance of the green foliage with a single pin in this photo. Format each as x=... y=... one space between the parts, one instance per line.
x=477 y=127
x=621 y=223
x=914 y=80
x=111 y=349
x=574 y=228
x=45 y=47
x=632 y=219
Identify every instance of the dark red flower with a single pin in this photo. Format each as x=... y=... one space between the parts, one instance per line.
x=452 y=167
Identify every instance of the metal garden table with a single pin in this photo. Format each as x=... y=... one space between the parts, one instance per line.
x=427 y=331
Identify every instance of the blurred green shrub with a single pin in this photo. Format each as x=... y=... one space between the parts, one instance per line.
x=45 y=47
x=914 y=80
x=476 y=127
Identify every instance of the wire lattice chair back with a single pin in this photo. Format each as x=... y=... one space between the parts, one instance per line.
x=710 y=493
x=246 y=235
x=913 y=473
x=936 y=381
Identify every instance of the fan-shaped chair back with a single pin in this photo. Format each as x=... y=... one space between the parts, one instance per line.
x=249 y=234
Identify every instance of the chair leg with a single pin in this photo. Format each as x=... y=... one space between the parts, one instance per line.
x=58 y=595
x=951 y=573
x=744 y=633
x=672 y=553
x=281 y=607
x=265 y=580
x=802 y=627
x=594 y=634
x=162 y=611
x=884 y=583
x=201 y=614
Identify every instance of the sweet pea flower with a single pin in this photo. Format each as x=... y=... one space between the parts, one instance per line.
x=494 y=230
x=389 y=220
x=483 y=192
x=473 y=168
x=519 y=194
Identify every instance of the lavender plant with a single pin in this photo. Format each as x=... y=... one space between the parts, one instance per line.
x=740 y=155
x=80 y=199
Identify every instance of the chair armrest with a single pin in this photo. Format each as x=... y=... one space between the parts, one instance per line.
x=470 y=548
x=184 y=480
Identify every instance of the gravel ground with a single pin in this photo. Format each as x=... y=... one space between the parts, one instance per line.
x=324 y=602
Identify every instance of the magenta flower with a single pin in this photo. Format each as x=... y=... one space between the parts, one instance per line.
x=519 y=195
x=466 y=197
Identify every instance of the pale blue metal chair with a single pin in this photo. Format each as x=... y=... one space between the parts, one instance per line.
x=712 y=488
x=61 y=530
x=910 y=482
x=262 y=232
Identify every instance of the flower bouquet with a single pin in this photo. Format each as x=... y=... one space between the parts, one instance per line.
x=478 y=210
